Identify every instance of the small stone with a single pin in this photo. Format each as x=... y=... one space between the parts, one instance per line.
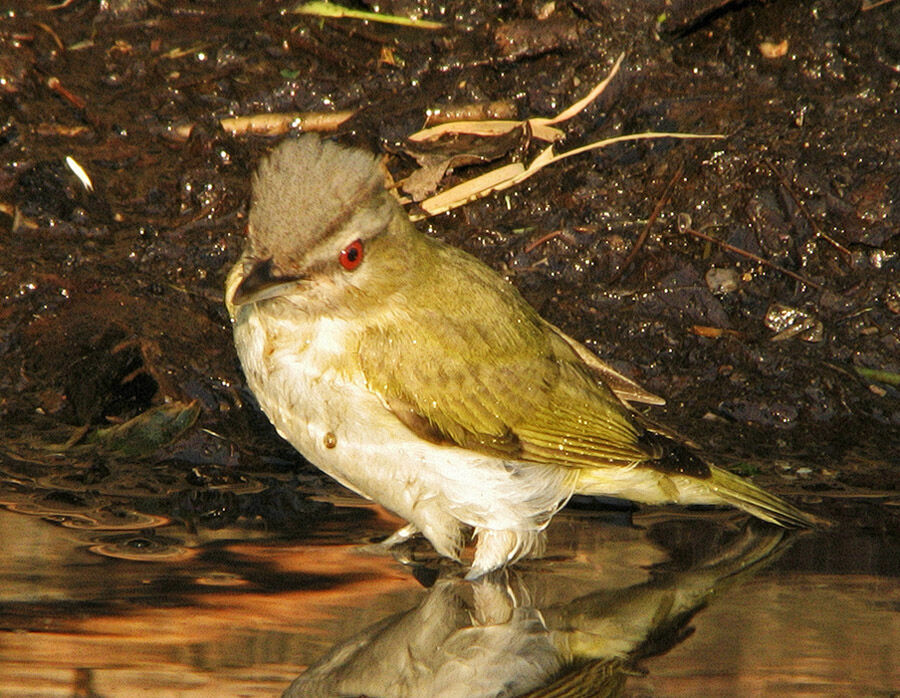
x=721 y=281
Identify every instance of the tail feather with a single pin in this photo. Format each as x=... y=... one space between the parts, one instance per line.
x=655 y=485
x=743 y=494
x=695 y=481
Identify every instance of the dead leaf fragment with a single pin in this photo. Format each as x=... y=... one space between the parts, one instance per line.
x=423 y=182
x=770 y=49
x=475 y=111
x=529 y=38
x=505 y=176
x=280 y=123
x=788 y=322
x=540 y=127
x=157 y=427
x=713 y=332
x=509 y=175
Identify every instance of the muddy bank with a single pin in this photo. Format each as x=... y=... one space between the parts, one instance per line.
x=751 y=281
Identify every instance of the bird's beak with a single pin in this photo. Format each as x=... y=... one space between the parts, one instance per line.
x=261 y=283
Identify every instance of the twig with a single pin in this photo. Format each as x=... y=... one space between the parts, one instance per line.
x=541 y=240
x=47 y=28
x=756 y=258
x=539 y=127
x=812 y=222
x=642 y=238
x=54 y=84
x=872 y=4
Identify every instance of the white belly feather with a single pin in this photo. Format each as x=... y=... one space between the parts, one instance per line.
x=344 y=429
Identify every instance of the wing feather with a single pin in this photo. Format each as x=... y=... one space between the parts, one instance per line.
x=487 y=373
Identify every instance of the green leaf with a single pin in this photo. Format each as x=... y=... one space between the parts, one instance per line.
x=150 y=430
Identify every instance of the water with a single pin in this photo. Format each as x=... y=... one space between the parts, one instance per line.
x=672 y=604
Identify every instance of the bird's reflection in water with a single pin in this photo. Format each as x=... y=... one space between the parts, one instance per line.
x=532 y=632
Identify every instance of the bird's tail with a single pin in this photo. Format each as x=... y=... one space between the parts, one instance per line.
x=686 y=482
x=742 y=493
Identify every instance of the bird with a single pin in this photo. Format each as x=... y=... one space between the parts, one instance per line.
x=418 y=377
x=566 y=632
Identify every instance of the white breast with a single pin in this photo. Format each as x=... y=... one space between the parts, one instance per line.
x=332 y=418
x=290 y=370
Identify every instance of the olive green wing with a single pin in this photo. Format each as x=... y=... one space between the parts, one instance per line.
x=505 y=386
x=624 y=388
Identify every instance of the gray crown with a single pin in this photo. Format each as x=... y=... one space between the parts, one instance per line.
x=307 y=188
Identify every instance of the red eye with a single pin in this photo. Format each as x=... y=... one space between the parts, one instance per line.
x=351 y=255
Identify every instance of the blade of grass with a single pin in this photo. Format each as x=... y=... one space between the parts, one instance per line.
x=541 y=127
x=509 y=175
x=879 y=375
x=334 y=11
x=483 y=128
x=579 y=106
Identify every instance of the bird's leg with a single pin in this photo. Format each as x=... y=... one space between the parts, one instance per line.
x=494 y=601
x=401 y=535
x=389 y=544
x=498 y=548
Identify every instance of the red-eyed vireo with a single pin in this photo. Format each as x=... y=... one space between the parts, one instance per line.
x=418 y=377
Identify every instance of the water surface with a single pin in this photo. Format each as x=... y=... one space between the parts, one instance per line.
x=670 y=604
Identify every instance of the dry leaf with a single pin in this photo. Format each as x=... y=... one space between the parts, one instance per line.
x=510 y=175
x=475 y=188
x=279 y=123
x=540 y=127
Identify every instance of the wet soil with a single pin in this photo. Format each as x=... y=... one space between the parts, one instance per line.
x=111 y=309
x=111 y=299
